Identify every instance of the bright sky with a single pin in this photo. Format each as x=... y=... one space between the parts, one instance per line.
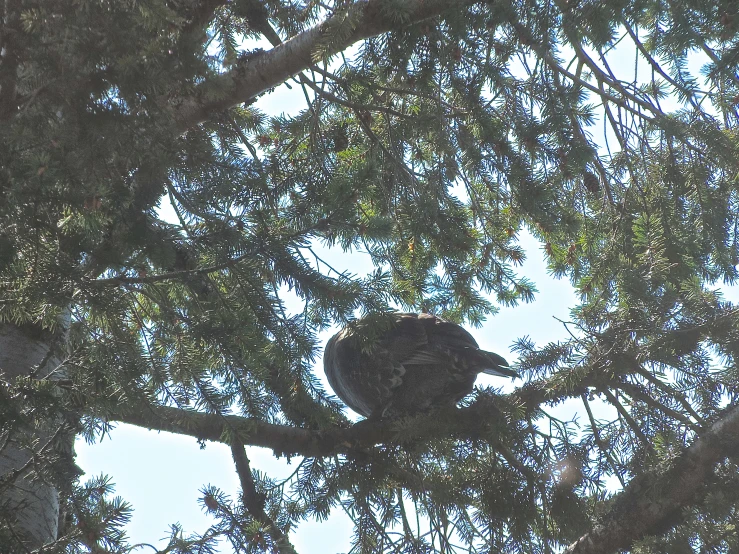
x=160 y=474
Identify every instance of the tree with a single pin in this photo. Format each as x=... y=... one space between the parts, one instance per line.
x=455 y=126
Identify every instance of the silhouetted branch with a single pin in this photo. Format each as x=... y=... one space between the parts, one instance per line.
x=652 y=502
x=472 y=422
x=253 y=500
x=269 y=69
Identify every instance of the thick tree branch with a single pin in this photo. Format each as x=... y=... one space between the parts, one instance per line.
x=258 y=20
x=652 y=502
x=269 y=69
x=472 y=422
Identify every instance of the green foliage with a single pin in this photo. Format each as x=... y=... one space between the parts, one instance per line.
x=432 y=148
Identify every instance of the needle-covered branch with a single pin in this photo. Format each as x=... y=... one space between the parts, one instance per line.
x=467 y=423
x=470 y=422
x=253 y=501
x=266 y=70
x=652 y=502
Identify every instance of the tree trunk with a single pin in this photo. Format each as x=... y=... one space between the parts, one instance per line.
x=29 y=501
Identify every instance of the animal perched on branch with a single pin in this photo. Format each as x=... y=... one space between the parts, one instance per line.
x=391 y=364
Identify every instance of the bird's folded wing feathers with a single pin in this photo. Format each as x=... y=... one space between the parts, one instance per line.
x=406 y=338
x=422 y=357
x=449 y=335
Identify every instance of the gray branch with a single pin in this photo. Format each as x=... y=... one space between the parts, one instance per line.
x=653 y=501
x=651 y=504
x=269 y=69
x=253 y=501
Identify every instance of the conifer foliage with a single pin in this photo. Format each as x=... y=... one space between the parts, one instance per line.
x=434 y=133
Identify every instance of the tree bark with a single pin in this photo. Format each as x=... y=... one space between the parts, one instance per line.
x=479 y=420
x=652 y=502
x=267 y=70
x=28 y=500
x=466 y=423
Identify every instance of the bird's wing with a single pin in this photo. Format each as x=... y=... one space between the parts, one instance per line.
x=417 y=339
x=422 y=339
x=422 y=357
x=407 y=341
x=447 y=335
x=451 y=342
x=363 y=378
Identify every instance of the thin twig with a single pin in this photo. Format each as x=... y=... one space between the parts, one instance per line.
x=627 y=418
x=599 y=441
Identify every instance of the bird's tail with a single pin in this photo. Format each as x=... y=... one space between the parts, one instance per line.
x=497 y=365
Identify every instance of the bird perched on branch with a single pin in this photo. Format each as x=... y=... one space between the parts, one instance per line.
x=391 y=364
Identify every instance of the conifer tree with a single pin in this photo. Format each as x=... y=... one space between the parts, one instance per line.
x=434 y=133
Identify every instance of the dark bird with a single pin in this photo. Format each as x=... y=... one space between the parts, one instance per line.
x=394 y=364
